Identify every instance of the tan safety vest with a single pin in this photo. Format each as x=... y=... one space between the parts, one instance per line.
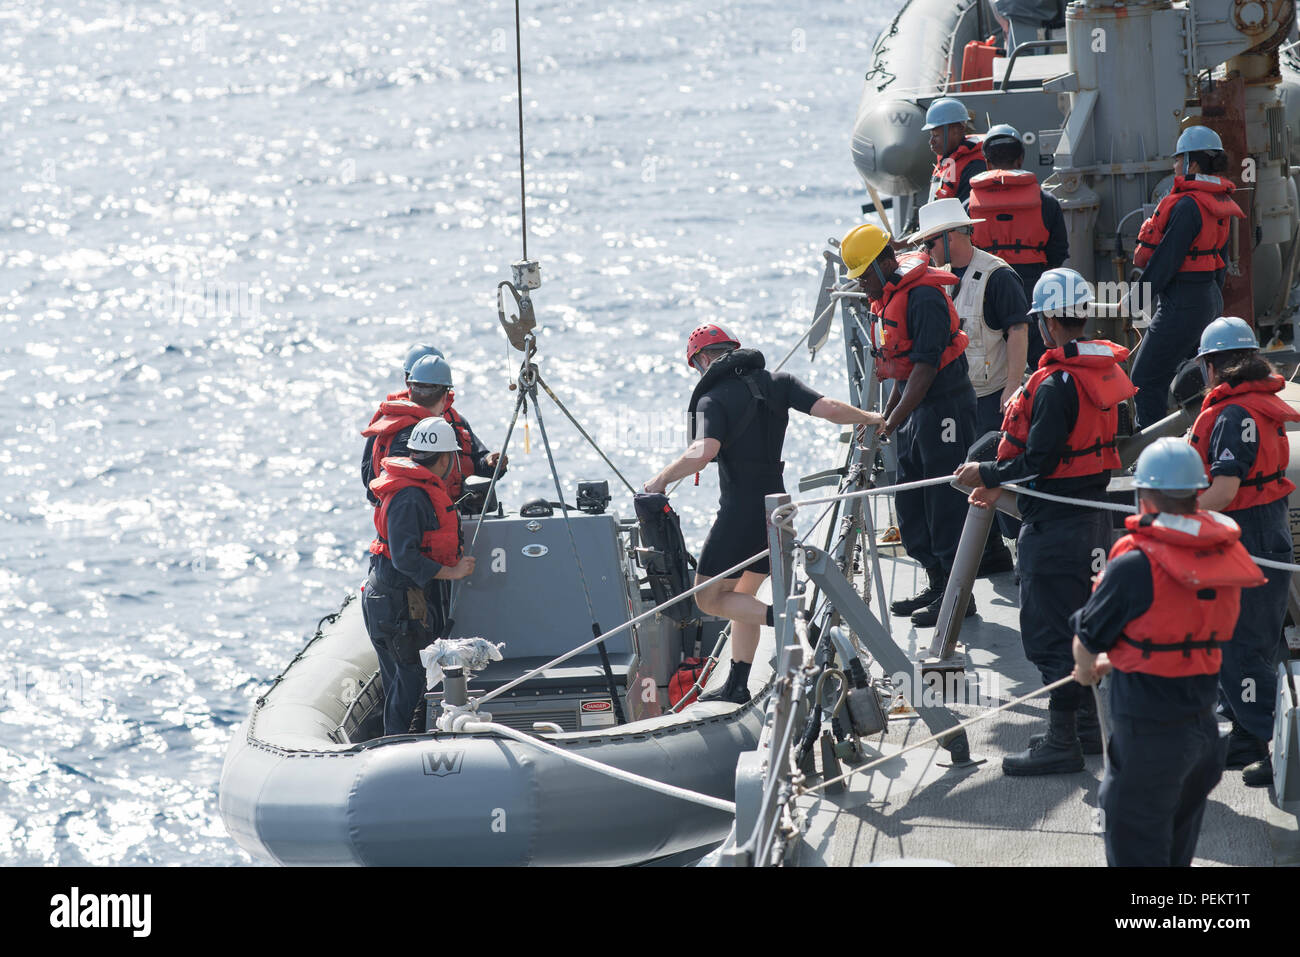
x=987 y=350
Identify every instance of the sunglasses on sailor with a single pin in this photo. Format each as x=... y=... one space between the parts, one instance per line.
x=436 y=391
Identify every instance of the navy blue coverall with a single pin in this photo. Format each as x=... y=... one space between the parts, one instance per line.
x=1186 y=302
x=1060 y=546
x=933 y=440
x=385 y=606
x=1166 y=755
x=1248 y=675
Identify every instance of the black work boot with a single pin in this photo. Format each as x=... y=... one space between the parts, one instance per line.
x=1243 y=749
x=1087 y=723
x=928 y=616
x=1057 y=753
x=997 y=558
x=1259 y=774
x=905 y=606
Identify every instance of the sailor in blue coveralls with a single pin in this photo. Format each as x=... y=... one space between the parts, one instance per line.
x=1241 y=437
x=1181 y=251
x=1162 y=610
x=417 y=547
x=1058 y=438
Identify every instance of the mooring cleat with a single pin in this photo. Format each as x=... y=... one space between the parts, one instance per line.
x=958 y=749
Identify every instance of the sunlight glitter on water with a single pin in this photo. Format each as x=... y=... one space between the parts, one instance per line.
x=226 y=226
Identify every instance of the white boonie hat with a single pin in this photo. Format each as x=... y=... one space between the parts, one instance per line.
x=939 y=217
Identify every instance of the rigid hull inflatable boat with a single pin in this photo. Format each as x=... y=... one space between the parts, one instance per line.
x=308 y=778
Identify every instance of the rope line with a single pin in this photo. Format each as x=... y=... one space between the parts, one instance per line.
x=785 y=514
x=457 y=586
x=577 y=558
x=583 y=433
x=650 y=784
x=946 y=732
x=519 y=87
x=564 y=508
x=511 y=685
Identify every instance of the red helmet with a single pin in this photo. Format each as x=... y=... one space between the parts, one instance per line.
x=706 y=336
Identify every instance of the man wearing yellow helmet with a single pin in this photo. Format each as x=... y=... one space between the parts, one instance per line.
x=931 y=407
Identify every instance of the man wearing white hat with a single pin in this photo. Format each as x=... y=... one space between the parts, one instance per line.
x=990 y=300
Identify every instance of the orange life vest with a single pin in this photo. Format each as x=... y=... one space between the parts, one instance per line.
x=896 y=342
x=1213 y=195
x=393 y=416
x=946 y=176
x=1102 y=386
x=442 y=544
x=406 y=394
x=464 y=461
x=1198 y=569
x=1266 y=481
x=1010 y=202
x=391 y=397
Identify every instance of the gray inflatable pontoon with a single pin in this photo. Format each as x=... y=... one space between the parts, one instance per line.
x=307 y=780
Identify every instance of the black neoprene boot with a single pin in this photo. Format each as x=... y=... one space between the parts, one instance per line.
x=905 y=606
x=1057 y=753
x=736 y=690
x=1089 y=726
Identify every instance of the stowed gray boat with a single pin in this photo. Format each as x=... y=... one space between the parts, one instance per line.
x=309 y=780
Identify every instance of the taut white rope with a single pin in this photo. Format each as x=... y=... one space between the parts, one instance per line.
x=671 y=790
x=960 y=726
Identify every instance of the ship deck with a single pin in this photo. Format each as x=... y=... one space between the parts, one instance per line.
x=915 y=808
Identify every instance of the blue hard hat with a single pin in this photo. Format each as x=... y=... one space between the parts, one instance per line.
x=1197 y=138
x=1170 y=465
x=1002 y=133
x=1227 y=334
x=943 y=111
x=431 y=370
x=1060 y=289
x=416 y=353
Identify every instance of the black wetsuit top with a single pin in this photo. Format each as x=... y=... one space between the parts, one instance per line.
x=749 y=464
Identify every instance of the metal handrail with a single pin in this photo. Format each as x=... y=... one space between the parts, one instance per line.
x=1027 y=45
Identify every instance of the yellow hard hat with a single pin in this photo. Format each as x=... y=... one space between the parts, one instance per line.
x=861 y=246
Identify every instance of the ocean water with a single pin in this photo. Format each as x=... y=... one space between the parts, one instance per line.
x=222 y=225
